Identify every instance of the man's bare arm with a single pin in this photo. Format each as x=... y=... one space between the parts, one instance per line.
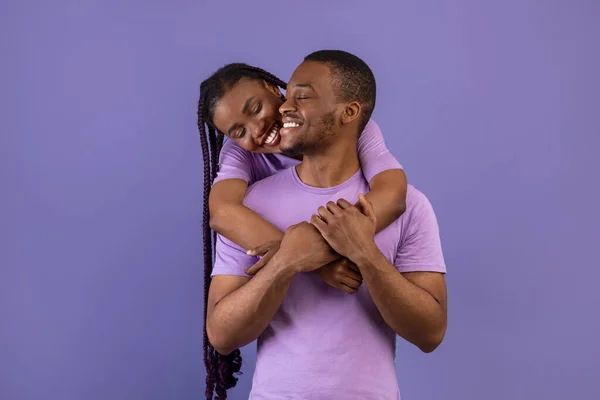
x=413 y=304
x=239 y=308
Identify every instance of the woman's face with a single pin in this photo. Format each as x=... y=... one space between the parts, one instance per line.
x=249 y=114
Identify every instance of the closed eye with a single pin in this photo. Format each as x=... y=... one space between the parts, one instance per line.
x=241 y=133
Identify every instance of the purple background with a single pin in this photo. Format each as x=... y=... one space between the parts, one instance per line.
x=492 y=107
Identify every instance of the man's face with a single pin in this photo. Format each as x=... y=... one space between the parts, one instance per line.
x=310 y=114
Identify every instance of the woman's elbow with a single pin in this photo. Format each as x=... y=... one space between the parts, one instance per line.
x=397 y=207
x=401 y=206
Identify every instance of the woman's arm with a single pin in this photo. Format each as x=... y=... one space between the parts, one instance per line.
x=228 y=215
x=388 y=196
x=230 y=218
x=386 y=177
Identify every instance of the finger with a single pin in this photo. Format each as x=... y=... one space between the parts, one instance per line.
x=354 y=267
x=260 y=250
x=367 y=207
x=325 y=214
x=257 y=266
x=333 y=207
x=353 y=275
x=350 y=265
x=351 y=283
x=318 y=223
x=344 y=204
x=347 y=289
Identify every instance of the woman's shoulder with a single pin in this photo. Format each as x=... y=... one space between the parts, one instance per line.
x=256 y=166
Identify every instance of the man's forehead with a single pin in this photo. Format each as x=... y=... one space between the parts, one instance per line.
x=310 y=73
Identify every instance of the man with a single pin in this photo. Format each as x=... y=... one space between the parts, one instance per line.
x=315 y=342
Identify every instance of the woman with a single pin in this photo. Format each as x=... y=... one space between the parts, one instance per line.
x=243 y=102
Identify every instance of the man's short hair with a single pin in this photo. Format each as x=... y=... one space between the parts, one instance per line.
x=352 y=79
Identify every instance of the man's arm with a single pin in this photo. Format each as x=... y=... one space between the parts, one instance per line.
x=413 y=304
x=240 y=308
x=411 y=296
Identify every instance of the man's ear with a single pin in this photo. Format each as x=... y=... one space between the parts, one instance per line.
x=272 y=88
x=351 y=112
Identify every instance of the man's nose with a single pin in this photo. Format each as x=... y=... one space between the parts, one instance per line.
x=288 y=106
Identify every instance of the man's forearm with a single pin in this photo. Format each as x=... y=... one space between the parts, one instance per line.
x=240 y=317
x=412 y=312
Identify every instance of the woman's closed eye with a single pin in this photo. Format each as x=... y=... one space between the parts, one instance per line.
x=257 y=109
x=240 y=134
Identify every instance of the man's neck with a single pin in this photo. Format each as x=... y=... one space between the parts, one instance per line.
x=331 y=167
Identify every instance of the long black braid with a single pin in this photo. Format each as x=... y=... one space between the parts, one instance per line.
x=220 y=370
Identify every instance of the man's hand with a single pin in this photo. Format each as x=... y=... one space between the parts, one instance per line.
x=302 y=249
x=341 y=274
x=347 y=229
x=267 y=251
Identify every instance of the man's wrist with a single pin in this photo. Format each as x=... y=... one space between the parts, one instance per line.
x=365 y=255
x=283 y=268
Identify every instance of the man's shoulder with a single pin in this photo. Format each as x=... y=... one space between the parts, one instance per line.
x=417 y=204
x=419 y=248
x=414 y=196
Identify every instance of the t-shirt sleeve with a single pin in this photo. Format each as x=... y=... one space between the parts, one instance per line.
x=234 y=163
x=231 y=259
x=420 y=249
x=373 y=154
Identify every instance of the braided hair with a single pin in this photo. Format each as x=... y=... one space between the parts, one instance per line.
x=220 y=369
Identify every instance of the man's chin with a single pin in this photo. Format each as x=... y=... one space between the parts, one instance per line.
x=292 y=151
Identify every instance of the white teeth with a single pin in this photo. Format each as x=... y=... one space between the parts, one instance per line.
x=291 y=125
x=271 y=137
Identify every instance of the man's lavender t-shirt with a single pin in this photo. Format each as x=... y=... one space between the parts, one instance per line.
x=237 y=163
x=323 y=343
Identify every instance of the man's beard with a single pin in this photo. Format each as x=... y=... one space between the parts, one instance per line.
x=305 y=146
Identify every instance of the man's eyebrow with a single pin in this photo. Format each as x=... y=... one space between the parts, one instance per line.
x=304 y=85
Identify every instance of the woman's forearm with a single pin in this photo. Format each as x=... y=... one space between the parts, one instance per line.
x=243 y=226
x=388 y=196
x=231 y=219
